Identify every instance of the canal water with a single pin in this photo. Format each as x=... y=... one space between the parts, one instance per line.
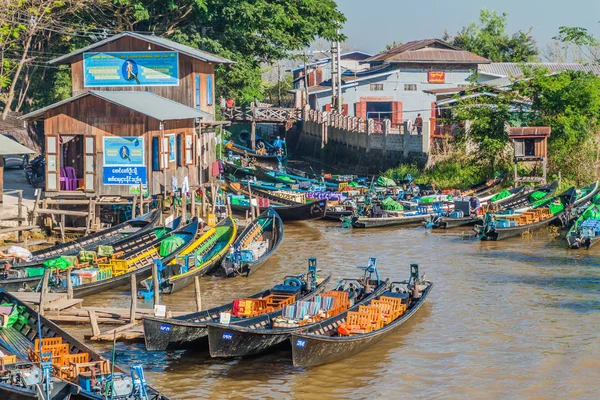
x=511 y=319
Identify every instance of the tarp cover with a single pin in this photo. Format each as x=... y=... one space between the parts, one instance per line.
x=537 y=195
x=169 y=245
x=383 y=181
x=502 y=195
x=390 y=204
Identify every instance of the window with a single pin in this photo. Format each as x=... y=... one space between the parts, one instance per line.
x=209 y=90
x=198 y=91
x=189 y=148
x=411 y=87
x=376 y=87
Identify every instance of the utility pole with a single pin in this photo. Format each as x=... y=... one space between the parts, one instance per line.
x=336 y=77
x=305 y=77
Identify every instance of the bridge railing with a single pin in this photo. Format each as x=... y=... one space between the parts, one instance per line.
x=261 y=113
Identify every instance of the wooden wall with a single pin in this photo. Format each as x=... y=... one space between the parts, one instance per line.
x=93 y=116
x=188 y=68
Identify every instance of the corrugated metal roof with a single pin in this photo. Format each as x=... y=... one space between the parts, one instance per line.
x=146 y=103
x=515 y=69
x=169 y=44
x=530 y=131
x=430 y=50
x=9 y=146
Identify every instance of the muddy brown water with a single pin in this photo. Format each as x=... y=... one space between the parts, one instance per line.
x=511 y=319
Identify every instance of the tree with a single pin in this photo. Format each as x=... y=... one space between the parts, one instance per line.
x=24 y=32
x=587 y=45
x=488 y=38
x=249 y=32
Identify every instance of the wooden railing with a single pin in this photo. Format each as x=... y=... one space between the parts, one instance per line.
x=262 y=114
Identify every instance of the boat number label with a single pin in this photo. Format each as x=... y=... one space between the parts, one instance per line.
x=300 y=343
x=227 y=336
x=165 y=328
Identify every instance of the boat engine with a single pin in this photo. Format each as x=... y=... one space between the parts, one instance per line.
x=25 y=377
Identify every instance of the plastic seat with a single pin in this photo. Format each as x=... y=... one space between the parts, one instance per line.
x=63 y=179
x=71 y=178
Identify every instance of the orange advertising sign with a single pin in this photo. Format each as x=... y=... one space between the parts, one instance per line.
x=436 y=77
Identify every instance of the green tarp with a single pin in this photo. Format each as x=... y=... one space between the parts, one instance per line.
x=502 y=195
x=390 y=204
x=12 y=317
x=592 y=213
x=169 y=245
x=386 y=182
x=537 y=195
x=556 y=208
x=60 y=263
x=105 y=251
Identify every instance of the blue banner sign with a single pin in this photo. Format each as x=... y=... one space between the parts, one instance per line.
x=125 y=176
x=124 y=150
x=124 y=160
x=136 y=68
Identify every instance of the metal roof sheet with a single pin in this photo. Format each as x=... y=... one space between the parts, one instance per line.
x=146 y=103
x=9 y=146
x=430 y=50
x=516 y=70
x=169 y=44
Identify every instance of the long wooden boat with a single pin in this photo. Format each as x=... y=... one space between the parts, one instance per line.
x=484 y=187
x=585 y=231
x=105 y=237
x=191 y=330
x=257 y=242
x=449 y=222
x=328 y=341
x=199 y=258
x=237 y=170
x=72 y=360
x=22 y=379
x=499 y=227
x=297 y=212
x=28 y=278
x=529 y=199
x=288 y=179
x=258 y=335
x=504 y=196
x=336 y=213
x=117 y=272
x=246 y=152
x=362 y=222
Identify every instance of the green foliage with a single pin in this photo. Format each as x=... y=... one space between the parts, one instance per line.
x=456 y=173
x=584 y=41
x=488 y=38
x=569 y=103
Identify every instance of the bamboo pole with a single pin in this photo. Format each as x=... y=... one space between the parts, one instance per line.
x=252 y=211
x=184 y=205
x=141 y=198
x=155 y=283
x=62 y=228
x=132 y=309
x=198 y=293
x=133 y=206
x=69 y=284
x=44 y=291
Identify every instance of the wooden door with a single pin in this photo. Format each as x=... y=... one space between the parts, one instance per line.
x=89 y=166
x=52 y=163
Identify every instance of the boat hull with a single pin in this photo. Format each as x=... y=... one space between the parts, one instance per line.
x=162 y=335
x=310 y=350
x=364 y=223
x=449 y=223
x=505 y=233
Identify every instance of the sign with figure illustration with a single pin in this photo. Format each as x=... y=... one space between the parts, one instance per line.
x=137 y=68
x=124 y=160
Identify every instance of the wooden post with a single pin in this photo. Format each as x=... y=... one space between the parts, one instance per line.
x=184 y=205
x=38 y=194
x=62 y=228
x=142 y=199
x=253 y=135
x=246 y=215
x=20 y=214
x=228 y=199
x=94 y=322
x=198 y=294
x=1 y=179
x=155 y=284
x=69 y=284
x=132 y=310
x=203 y=202
x=44 y=291
x=133 y=206
x=193 y=200
x=250 y=197
x=88 y=222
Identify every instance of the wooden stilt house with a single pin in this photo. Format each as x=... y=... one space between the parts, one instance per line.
x=139 y=107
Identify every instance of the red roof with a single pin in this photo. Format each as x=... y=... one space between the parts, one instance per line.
x=431 y=51
x=529 y=132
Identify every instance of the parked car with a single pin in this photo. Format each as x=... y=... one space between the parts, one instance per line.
x=14 y=160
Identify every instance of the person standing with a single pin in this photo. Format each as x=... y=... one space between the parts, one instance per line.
x=419 y=124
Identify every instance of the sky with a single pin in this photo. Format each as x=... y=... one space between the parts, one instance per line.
x=372 y=24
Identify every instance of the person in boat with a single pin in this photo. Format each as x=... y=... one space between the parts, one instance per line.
x=278 y=144
x=475 y=205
